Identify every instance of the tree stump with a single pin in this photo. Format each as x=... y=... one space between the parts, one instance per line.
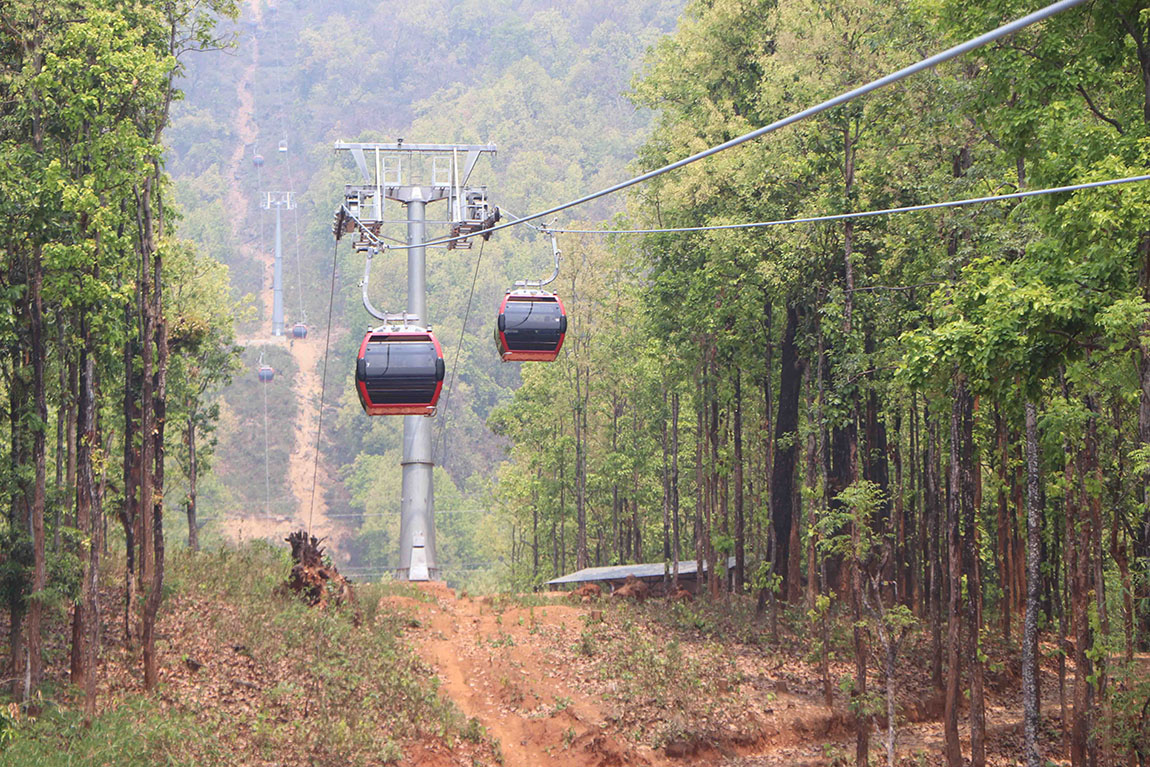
x=313 y=577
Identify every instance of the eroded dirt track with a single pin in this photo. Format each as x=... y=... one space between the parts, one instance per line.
x=493 y=673
x=307 y=481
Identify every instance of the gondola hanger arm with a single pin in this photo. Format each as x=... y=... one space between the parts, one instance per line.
x=402 y=318
x=554 y=275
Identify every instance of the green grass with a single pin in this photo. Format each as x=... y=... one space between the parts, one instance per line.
x=136 y=733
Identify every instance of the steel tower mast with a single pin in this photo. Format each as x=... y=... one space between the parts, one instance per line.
x=280 y=201
x=388 y=172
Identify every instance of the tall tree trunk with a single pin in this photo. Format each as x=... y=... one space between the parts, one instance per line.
x=18 y=519
x=862 y=734
x=933 y=534
x=580 y=474
x=904 y=560
x=969 y=498
x=61 y=430
x=159 y=408
x=666 y=477
x=130 y=509
x=954 y=569
x=811 y=481
x=740 y=541
x=786 y=429
x=73 y=400
x=40 y=475
x=1079 y=622
x=1030 y=699
x=713 y=507
x=144 y=479
x=193 y=474
x=1004 y=555
x=89 y=512
x=917 y=556
x=676 y=556
x=701 y=497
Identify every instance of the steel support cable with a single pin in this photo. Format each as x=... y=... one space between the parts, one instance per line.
x=458 y=350
x=868 y=213
x=290 y=170
x=322 y=386
x=939 y=58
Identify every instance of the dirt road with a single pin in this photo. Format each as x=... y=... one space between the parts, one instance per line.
x=489 y=667
x=308 y=482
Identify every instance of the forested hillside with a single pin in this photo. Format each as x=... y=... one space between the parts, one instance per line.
x=546 y=85
x=893 y=466
x=942 y=416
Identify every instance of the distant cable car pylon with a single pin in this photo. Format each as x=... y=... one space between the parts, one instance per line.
x=532 y=322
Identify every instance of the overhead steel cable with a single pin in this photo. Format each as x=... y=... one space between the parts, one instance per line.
x=322 y=386
x=867 y=213
x=939 y=58
x=458 y=349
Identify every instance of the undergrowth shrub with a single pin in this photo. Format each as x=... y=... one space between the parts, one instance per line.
x=135 y=734
x=349 y=688
x=688 y=687
x=340 y=687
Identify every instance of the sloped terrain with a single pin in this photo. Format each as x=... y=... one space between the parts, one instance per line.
x=556 y=682
x=250 y=675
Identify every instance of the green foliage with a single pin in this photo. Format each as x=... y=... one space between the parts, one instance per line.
x=848 y=530
x=1124 y=720
x=653 y=670
x=133 y=734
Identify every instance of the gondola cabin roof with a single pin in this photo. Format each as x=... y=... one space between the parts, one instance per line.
x=531 y=326
x=399 y=371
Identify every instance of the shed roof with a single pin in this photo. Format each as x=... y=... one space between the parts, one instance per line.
x=619 y=572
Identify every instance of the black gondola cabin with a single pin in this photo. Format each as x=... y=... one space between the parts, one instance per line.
x=531 y=326
x=399 y=372
x=266 y=373
x=299 y=330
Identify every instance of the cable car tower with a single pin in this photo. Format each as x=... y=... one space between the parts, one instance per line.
x=393 y=171
x=280 y=201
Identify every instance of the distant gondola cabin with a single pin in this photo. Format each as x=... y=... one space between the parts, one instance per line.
x=299 y=330
x=531 y=326
x=399 y=372
x=266 y=373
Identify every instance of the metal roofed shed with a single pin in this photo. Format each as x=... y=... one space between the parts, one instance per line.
x=651 y=572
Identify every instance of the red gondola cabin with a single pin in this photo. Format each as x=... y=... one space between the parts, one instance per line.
x=266 y=373
x=399 y=372
x=531 y=326
x=299 y=330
